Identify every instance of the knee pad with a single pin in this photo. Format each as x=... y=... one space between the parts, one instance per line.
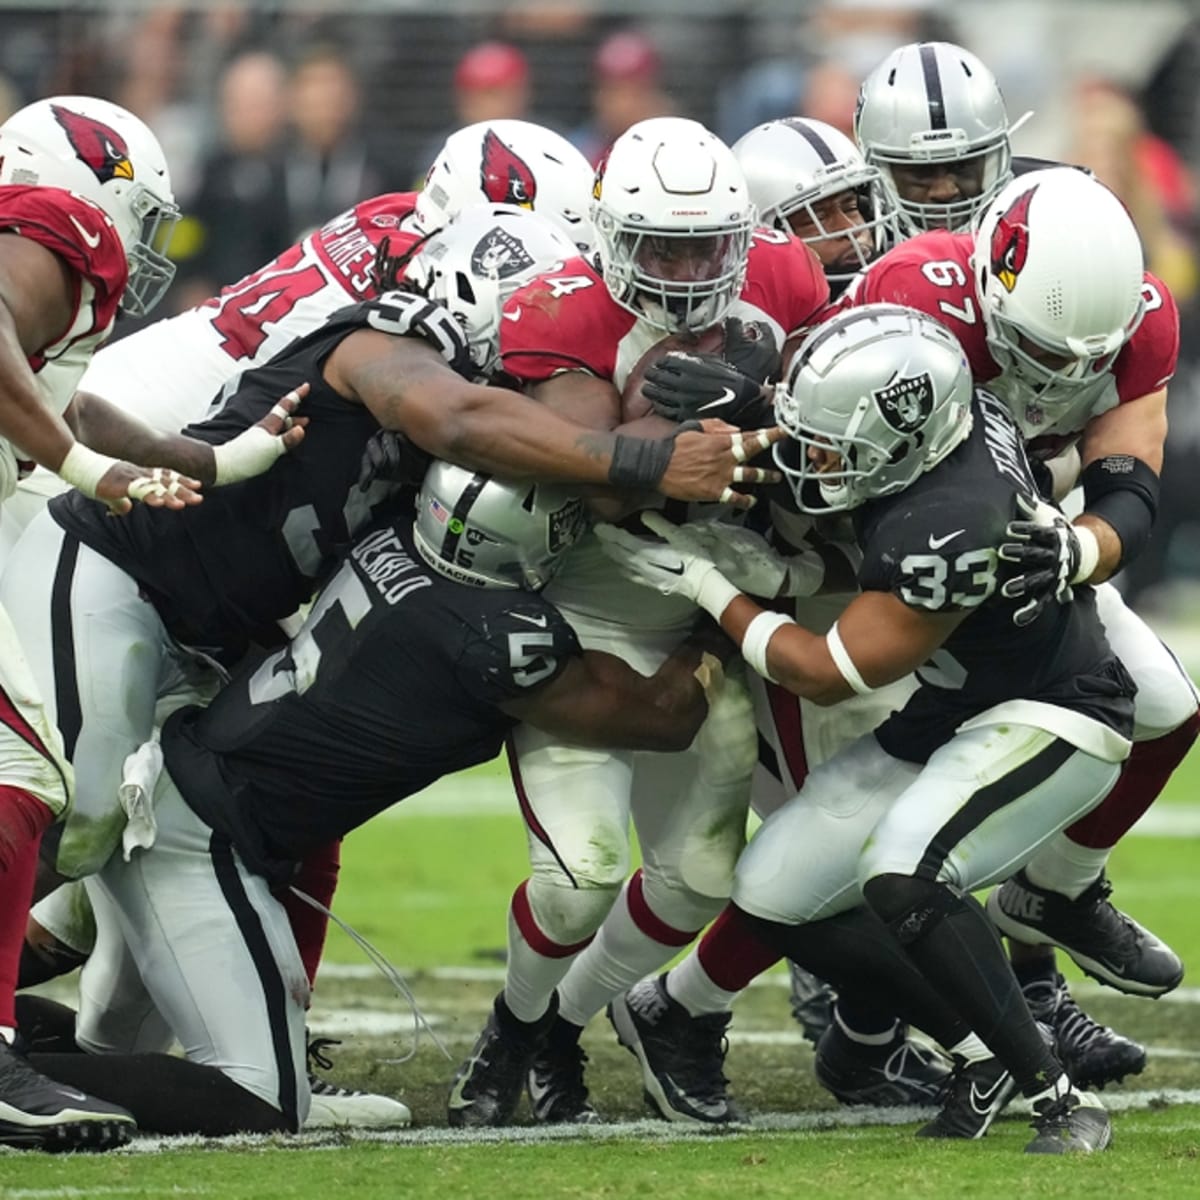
x=566 y=914
x=909 y=907
x=678 y=906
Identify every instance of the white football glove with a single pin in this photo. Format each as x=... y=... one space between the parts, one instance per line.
x=667 y=570
x=744 y=557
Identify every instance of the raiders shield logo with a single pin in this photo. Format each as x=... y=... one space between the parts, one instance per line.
x=566 y=526
x=906 y=404
x=499 y=255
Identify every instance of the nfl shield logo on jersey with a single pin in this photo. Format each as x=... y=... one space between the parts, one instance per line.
x=499 y=255
x=906 y=404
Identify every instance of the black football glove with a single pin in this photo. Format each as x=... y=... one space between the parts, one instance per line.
x=684 y=387
x=1048 y=557
x=750 y=347
x=389 y=457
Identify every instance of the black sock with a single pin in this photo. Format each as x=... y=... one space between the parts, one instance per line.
x=858 y=954
x=165 y=1094
x=958 y=950
x=45 y=1026
x=1030 y=966
x=865 y=1014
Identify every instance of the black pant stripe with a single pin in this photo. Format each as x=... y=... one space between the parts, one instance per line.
x=989 y=800
x=250 y=926
x=66 y=683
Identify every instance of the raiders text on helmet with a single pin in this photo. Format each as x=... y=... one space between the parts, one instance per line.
x=111 y=158
x=874 y=397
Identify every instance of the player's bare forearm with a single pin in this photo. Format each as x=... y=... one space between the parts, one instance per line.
x=25 y=421
x=108 y=429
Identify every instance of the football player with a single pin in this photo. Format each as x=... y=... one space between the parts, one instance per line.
x=1014 y=731
x=679 y=253
x=428 y=643
x=85 y=201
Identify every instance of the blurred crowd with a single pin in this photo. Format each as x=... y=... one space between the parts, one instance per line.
x=275 y=117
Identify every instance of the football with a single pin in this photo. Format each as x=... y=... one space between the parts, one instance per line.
x=633 y=403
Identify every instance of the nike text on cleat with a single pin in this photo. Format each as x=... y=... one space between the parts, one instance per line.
x=487 y=1087
x=1075 y=1123
x=1092 y=1054
x=1107 y=944
x=37 y=1113
x=681 y=1056
x=897 y=1073
x=974 y=1096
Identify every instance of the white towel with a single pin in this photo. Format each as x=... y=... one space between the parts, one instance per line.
x=139 y=777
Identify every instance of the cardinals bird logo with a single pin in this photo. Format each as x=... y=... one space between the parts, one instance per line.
x=101 y=149
x=1010 y=240
x=505 y=178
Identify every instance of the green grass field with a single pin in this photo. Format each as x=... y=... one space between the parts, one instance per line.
x=429 y=884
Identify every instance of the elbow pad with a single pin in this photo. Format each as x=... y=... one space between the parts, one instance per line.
x=1122 y=491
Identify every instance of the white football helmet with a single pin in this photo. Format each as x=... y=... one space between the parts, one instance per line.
x=509 y=162
x=487 y=532
x=793 y=167
x=1059 y=274
x=886 y=389
x=930 y=108
x=478 y=260
x=111 y=158
x=673 y=219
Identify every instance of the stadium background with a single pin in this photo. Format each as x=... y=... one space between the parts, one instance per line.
x=275 y=116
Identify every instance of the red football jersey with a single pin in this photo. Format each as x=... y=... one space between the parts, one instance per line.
x=568 y=321
x=932 y=273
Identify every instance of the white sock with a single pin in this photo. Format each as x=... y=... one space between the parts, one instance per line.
x=690 y=985
x=530 y=977
x=7 y=1034
x=971 y=1048
x=1066 y=867
x=1059 y=1088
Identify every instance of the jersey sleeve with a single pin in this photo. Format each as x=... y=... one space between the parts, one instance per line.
x=519 y=646
x=1147 y=363
x=562 y=321
x=79 y=232
x=785 y=279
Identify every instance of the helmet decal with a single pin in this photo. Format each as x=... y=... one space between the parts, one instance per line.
x=1010 y=240
x=504 y=176
x=97 y=146
x=906 y=404
x=500 y=255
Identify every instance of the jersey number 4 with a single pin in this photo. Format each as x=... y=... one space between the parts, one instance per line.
x=262 y=299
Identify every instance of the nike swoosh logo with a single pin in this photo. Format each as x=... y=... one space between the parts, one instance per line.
x=540 y=622
x=707 y=1107
x=71 y=1093
x=515 y=315
x=92 y=239
x=671 y=570
x=982 y=1101
x=938 y=543
x=724 y=398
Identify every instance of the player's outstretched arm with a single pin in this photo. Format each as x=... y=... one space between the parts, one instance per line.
x=599 y=700
x=409 y=388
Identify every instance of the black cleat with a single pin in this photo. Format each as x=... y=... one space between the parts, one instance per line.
x=487 y=1087
x=1092 y=1054
x=557 y=1093
x=36 y=1113
x=1075 y=1123
x=1107 y=944
x=681 y=1056
x=975 y=1094
x=812 y=1002
x=900 y=1072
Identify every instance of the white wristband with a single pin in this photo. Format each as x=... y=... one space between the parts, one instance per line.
x=83 y=468
x=844 y=663
x=758 y=635
x=1089 y=554
x=716 y=593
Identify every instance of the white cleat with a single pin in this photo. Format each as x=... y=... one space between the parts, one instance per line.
x=336 y=1107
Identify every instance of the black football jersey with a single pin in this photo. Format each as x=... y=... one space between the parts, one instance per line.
x=935 y=546
x=394 y=681
x=225 y=571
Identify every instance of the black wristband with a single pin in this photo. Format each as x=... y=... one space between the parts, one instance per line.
x=639 y=462
x=1123 y=492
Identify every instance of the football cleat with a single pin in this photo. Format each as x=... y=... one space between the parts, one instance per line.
x=557 y=1093
x=899 y=1072
x=335 y=1107
x=1092 y=1054
x=1074 y=1123
x=975 y=1094
x=487 y=1087
x=1106 y=944
x=36 y=1113
x=681 y=1056
x=812 y=1002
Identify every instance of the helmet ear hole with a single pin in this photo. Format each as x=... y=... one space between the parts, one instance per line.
x=462 y=285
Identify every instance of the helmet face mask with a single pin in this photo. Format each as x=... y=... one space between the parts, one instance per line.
x=487 y=532
x=480 y=259
x=932 y=119
x=808 y=179
x=874 y=398
x=108 y=156
x=673 y=220
x=509 y=162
